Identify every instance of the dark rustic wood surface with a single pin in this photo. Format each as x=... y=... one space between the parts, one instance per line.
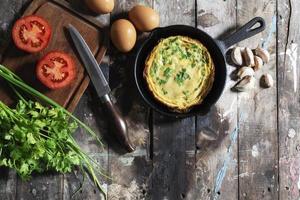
x=247 y=147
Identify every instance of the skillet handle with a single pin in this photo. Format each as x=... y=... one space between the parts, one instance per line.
x=243 y=33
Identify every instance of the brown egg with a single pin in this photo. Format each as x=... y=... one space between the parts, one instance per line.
x=144 y=18
x=100 y=6
x=123 y=35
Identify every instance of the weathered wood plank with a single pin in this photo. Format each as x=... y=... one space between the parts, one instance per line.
x=174 y=140
x=130 y=172
x=41 y=186
x=217 y=174
x=89 y=111
x=288 y=98
x=258 y=142
x=173 y=174
x=8 y=177
x=8 y=181
x=45 y=186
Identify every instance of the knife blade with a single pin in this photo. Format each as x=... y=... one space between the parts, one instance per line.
x=117 y=122
x=90 y=63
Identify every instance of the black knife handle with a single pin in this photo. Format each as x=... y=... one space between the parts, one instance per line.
x=117 y=123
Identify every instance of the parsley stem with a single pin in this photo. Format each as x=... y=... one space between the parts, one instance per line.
x=8 y=110
x=90 y=158
x=45 y=135
x=88 y=165
x=18 y=94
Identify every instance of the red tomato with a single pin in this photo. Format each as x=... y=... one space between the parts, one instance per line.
x=56 y=70
x=31 y=33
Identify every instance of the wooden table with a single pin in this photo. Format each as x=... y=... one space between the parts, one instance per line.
x=247 y=147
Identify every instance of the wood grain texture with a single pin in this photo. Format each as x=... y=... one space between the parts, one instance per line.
x=41 y=186
x=90 y=113
x=9 y=11
x=258 y=142
x=173 y=139
x=8 y=184
x=216 y=135
x=130 y=171
x=288 y=98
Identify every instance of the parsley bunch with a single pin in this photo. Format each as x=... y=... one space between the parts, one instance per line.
x=37 y=138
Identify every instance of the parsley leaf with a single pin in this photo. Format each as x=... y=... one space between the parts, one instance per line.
x=167 y=72
x=182 y=76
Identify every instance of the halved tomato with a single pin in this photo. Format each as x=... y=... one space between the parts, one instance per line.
x=31 y=33
x=56 y=70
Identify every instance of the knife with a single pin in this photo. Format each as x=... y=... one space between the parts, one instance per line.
x=117 y=123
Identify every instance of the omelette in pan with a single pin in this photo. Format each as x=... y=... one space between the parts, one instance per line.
x=179 y=72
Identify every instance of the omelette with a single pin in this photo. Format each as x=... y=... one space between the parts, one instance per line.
x=179 y=72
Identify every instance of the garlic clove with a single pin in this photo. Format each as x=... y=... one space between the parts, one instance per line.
x=245 y=71
x=245 y=84
x=266 y=81
x=263 y=54
x=258 y=63
x=236 y=56
x=248 y=57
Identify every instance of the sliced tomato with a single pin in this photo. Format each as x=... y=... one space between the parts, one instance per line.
x=31 y=33
x=56 y=70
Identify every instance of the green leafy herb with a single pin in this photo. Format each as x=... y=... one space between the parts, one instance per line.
x=162 y=82
x=186 y=94
x=182 y=52
x=37 y=138
x=164 y=91
x=194 y=46
x=204 y=58
x=174 y=39
x=167 y=72
x=182 y=76
x=34 y=138
x=153 y=69
x=193 y=64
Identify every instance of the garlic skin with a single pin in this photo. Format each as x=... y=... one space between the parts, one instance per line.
x=258 y=63
x=245 y=84
x=263 y=54
x=266 y=81
x=248 y=57
x=245 y=71
x=236 y=56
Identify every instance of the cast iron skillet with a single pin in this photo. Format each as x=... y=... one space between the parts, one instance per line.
x=217 y=49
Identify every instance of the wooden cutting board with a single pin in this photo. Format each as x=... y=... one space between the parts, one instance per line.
x=59 y=14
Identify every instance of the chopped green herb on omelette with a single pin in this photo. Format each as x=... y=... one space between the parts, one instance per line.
x=179 y=72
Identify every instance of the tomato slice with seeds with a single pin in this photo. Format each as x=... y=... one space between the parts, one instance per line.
x=56 y=70
x=31 y=33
